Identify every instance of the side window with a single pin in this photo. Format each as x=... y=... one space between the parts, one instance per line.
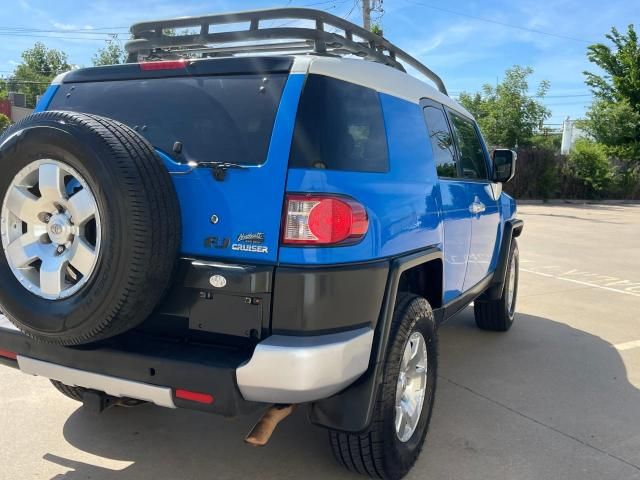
x=441 y=142
x=472 y=159
x=339 y=127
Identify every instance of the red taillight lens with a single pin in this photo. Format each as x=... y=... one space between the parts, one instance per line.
x=323 y=220
x=194 y=396
x=163 y=65
x=8 y=354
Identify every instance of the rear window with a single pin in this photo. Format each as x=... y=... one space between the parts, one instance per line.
x=339 y=127
x=216 y=119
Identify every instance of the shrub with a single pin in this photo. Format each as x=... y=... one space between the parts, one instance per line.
x=537 y=174
x=4 y=122
x=626 y=182
x=551 y=142
x=588 y=163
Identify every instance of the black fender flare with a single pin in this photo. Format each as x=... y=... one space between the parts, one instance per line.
x=512 y=229
x=352 y=409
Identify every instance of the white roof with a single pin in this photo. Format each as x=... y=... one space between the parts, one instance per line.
x=376 y=76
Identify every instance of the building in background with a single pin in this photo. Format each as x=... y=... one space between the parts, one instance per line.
x=570 y=133
x=15 y=107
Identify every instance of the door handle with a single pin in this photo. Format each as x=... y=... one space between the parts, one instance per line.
x=477 y=207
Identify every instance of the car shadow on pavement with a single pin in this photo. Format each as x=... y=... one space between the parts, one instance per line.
x=542 y=381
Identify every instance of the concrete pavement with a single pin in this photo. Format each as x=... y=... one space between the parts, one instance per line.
x=557 y=397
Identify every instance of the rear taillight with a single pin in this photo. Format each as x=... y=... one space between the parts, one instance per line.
x=8 y=354
x=164 y=65
x=323 y=220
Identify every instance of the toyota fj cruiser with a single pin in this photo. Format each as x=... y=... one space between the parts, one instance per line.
x=244 y=218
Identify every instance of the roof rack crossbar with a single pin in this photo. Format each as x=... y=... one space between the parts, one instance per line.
x=150 y=39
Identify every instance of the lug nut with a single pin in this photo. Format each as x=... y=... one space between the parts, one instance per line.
x=60 y=249
x=47 y=217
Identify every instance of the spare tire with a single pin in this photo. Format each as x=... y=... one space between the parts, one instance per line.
x=90 y=227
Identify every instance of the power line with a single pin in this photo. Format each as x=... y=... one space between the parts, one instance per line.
x=353 y=7
x=566 y=96
x=497 y=22
x=62 y=30
x=53 y=37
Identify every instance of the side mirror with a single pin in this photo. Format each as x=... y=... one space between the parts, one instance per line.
x=504 y=165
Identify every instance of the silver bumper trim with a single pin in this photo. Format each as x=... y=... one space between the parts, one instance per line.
x=118 y=387
x=288 y=369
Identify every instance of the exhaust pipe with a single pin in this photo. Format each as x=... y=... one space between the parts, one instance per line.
x=262 y=431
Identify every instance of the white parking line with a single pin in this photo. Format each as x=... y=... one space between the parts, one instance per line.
x=579 y=282
x=627 y=345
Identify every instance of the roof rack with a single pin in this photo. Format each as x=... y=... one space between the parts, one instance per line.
x=150 y=40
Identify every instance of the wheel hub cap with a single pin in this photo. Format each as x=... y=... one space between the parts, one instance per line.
x=50 y=229
x=60 y=229
x=412 y=386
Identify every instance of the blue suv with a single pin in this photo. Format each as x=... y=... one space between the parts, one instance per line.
x=249 y=219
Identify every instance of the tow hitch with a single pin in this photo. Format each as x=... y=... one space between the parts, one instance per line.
x=98 y=402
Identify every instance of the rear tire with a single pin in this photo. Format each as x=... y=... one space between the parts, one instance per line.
x=74 y=393
x=135 y=248
x=77 y=394
x=498 y=315
x=379 y=451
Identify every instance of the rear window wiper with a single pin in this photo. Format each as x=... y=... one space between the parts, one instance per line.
x=219 y=168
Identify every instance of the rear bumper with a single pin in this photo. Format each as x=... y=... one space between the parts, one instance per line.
x=282 y=369
x=286 y=369
x=117 y=387
x=138 y=366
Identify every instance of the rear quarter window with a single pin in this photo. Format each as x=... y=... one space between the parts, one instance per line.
x=339 y=126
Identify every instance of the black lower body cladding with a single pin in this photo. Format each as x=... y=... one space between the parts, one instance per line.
x=314 y=301
x=139 y=234
x=277 y=300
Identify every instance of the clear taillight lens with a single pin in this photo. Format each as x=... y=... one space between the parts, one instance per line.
x=323 y=220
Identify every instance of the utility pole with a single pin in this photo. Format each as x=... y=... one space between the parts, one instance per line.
x=366 y=15
x=369 y=6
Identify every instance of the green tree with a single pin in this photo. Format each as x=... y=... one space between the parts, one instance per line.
x=547 y=141
x=111 y=54
x=39 y=66
x=622 y=68
x=588 y=163
x=4 y=122
x=617 y=126
x=508 y=116
x=614 y=118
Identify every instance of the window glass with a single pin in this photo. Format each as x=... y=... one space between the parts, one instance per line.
x=339 y=127
x=441 y=142
x=472 y=159
x=218 y=119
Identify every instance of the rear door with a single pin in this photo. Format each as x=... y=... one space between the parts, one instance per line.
x=455 y=201
x=483 y=201
x=245 y=119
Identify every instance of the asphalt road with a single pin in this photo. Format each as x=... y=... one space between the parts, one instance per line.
x=557 y=397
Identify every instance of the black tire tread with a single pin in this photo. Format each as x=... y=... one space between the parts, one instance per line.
x=492 y=315
x=153 y=208
x=74 y=393
x=364 y=453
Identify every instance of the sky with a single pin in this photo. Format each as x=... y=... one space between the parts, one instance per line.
x=468 y=43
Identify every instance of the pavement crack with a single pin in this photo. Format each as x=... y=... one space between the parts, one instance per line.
x=538 y=422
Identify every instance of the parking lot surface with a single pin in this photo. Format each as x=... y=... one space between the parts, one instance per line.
x=557 y=397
